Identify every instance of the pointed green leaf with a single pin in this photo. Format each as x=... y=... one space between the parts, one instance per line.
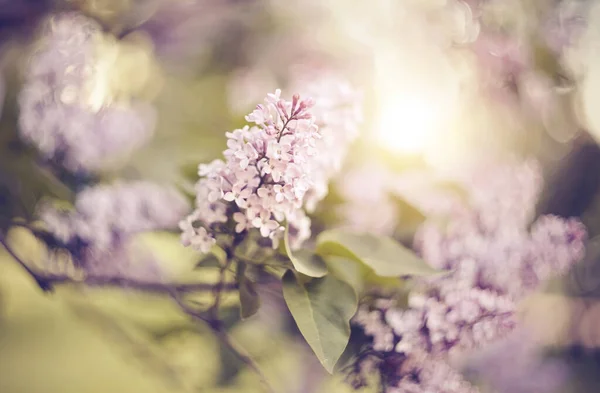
x=322 y=309
x=304 y=261
x=249 y=299
x=384 y=255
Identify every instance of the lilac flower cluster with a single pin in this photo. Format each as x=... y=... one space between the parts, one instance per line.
x=493 y=260
x=271 y=172
x=106 y=217
x=67 y=109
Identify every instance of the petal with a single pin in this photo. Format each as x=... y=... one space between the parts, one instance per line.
x=241 y=202
x=257 y=222
x=272 y=225
x=264 y=231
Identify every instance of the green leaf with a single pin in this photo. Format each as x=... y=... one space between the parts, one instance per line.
x=249 y=299
x=361 y=277
x=385 y=256
x=349 y=271
x=304 y=261
x=220 y=254
x=322 y=309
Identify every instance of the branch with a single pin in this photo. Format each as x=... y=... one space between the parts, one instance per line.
x=218 y=289
x=47 y=281
x=222 y=335
x=244 y=357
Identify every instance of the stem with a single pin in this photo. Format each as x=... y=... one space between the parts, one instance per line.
x=244 y=357
x=230 y=251
x=283 y=128
x=222 y=335
x=47 y=281
x=281 y=133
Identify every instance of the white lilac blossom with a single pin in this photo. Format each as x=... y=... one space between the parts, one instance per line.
x=492 y=263
x=106 y=217
x=269 y=172
x=67 y=108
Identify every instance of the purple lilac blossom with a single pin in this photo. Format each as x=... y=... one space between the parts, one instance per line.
x=271 y=170
x=66 y=108
x=493 y=261
x=98 y=231
x=184 y=29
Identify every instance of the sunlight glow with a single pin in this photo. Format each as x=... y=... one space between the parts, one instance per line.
x=417 y=95
x=407 y=124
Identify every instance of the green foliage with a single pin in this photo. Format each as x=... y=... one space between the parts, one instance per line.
x=362 y=278
x=385 y=256
x=322 y=304
x=304 y=261
x=249 y=299
x=350 y=271
x=220 y=254
x=322 y=309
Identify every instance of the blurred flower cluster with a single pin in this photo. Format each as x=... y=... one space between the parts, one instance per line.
x=99 y=230
x=493 y=259
x=82 y=115
x=69 y=108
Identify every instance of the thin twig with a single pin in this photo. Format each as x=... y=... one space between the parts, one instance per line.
x=222 y=335
x=244 y=357
x=46 y=281
x=218 y=289
x=189 y=310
